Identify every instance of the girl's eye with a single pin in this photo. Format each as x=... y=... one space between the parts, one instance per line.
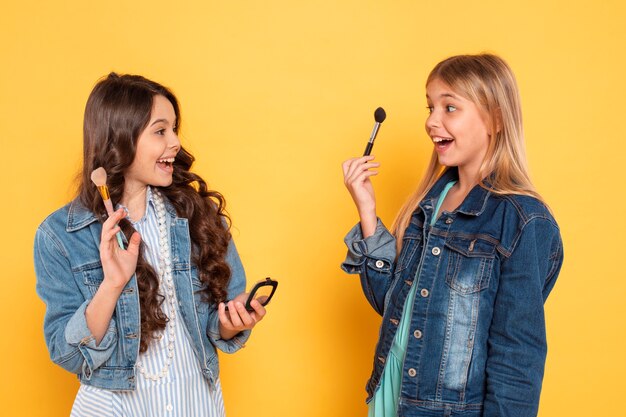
x=450 y=108
x=430 y=109
x=160 y=132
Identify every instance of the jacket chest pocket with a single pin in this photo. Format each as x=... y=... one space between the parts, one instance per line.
x=470 y=264
x=93 y=275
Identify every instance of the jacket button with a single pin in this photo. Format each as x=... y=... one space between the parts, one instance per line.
x=417 y=334
x=412 y=372
x=379 y=264
x=424 y=292
x=449 y=220
x=436 y=251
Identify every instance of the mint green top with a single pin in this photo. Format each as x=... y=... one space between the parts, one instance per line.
x=386 y=398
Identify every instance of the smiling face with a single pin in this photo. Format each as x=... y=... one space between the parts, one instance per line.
x=457 y=128
x=157 y=147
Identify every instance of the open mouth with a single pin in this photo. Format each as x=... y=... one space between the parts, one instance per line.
x=442 y=143
x=166 y=163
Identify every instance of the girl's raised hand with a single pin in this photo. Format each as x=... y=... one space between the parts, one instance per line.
x=118 y=264
x=237 y=318
x=356 y=177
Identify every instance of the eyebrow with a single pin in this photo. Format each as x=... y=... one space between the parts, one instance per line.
x=161 y=120
x=445 y=95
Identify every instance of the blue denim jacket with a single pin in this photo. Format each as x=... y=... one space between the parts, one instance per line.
x=69 y=272
x=484 y=271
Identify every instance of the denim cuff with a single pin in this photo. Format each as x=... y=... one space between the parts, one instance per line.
x=78 y=334
x=381 y=245
x=227 y=346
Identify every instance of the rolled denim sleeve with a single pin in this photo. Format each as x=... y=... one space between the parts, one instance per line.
x=70 y=343
x=517 y=344
x=236 y=286
x=373 y=258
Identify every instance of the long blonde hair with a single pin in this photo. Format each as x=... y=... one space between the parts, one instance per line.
x=488 y=82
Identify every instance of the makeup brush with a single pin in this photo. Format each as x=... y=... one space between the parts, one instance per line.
x=99 y=177
x=379 y=117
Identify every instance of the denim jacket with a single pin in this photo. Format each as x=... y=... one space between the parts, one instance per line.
x=69 y=272
x=478 y=342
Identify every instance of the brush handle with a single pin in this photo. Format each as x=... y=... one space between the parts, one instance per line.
x=109 y=206
x=368 y=149
x=119 y=240
x=110 y=211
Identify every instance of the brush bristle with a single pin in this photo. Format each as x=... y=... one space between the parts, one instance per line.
x=380 y=115
x=99 y=177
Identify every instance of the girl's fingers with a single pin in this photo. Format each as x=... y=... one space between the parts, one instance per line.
x=351 y=165
x=233 y=314
x=114 y=219
x=244 y=315
x=108 y=240
x=133 y=244
x=345 y=166
x=110 y=227
x=358 y=169
x=365 y=175
x=237 y=317
x=359 y=178
x=110 y=234
x=357 y=163
x=362 y=168
x=258 y=309
x=221 y=314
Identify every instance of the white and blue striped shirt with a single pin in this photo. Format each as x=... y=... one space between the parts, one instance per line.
x=183 y=391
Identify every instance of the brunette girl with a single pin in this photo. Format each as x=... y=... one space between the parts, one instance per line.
x=139 y=319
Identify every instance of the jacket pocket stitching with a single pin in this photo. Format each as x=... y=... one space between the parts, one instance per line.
x=481 y=273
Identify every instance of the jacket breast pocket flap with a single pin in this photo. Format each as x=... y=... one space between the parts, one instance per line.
x=93 y=275
x=470 y=263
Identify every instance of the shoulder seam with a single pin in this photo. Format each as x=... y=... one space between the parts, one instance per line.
x=526 y=223
x=51 y=237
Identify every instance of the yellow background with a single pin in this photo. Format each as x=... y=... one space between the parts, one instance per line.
x=275 y=94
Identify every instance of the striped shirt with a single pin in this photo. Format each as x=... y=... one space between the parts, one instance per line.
x=183 y=391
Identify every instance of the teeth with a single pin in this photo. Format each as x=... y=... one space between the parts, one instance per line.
x=438 y=139
x=166 y=160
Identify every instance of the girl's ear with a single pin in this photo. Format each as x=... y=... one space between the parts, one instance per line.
x=498 y=119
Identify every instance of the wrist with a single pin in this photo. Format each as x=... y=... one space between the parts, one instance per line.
x=111 y=286
x=367 y=213
x=227 y=334
x=369 y=221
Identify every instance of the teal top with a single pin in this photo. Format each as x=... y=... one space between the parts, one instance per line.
x=386 y=398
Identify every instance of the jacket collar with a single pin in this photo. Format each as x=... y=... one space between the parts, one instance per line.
x=475 y=202
x=78 y=216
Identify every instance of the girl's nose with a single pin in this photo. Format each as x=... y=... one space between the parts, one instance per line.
x=432 y=121
x=174 y=142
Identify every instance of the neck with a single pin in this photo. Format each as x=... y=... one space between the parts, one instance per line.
x=467 y=180
x=134 y=199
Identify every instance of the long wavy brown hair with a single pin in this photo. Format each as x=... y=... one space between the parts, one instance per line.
x=117 y=111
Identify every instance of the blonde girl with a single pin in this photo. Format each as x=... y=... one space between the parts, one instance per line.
x=461 y=277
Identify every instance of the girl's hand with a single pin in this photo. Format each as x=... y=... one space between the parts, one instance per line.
x=237 y=318
x=118 y=264
x=356 y=177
